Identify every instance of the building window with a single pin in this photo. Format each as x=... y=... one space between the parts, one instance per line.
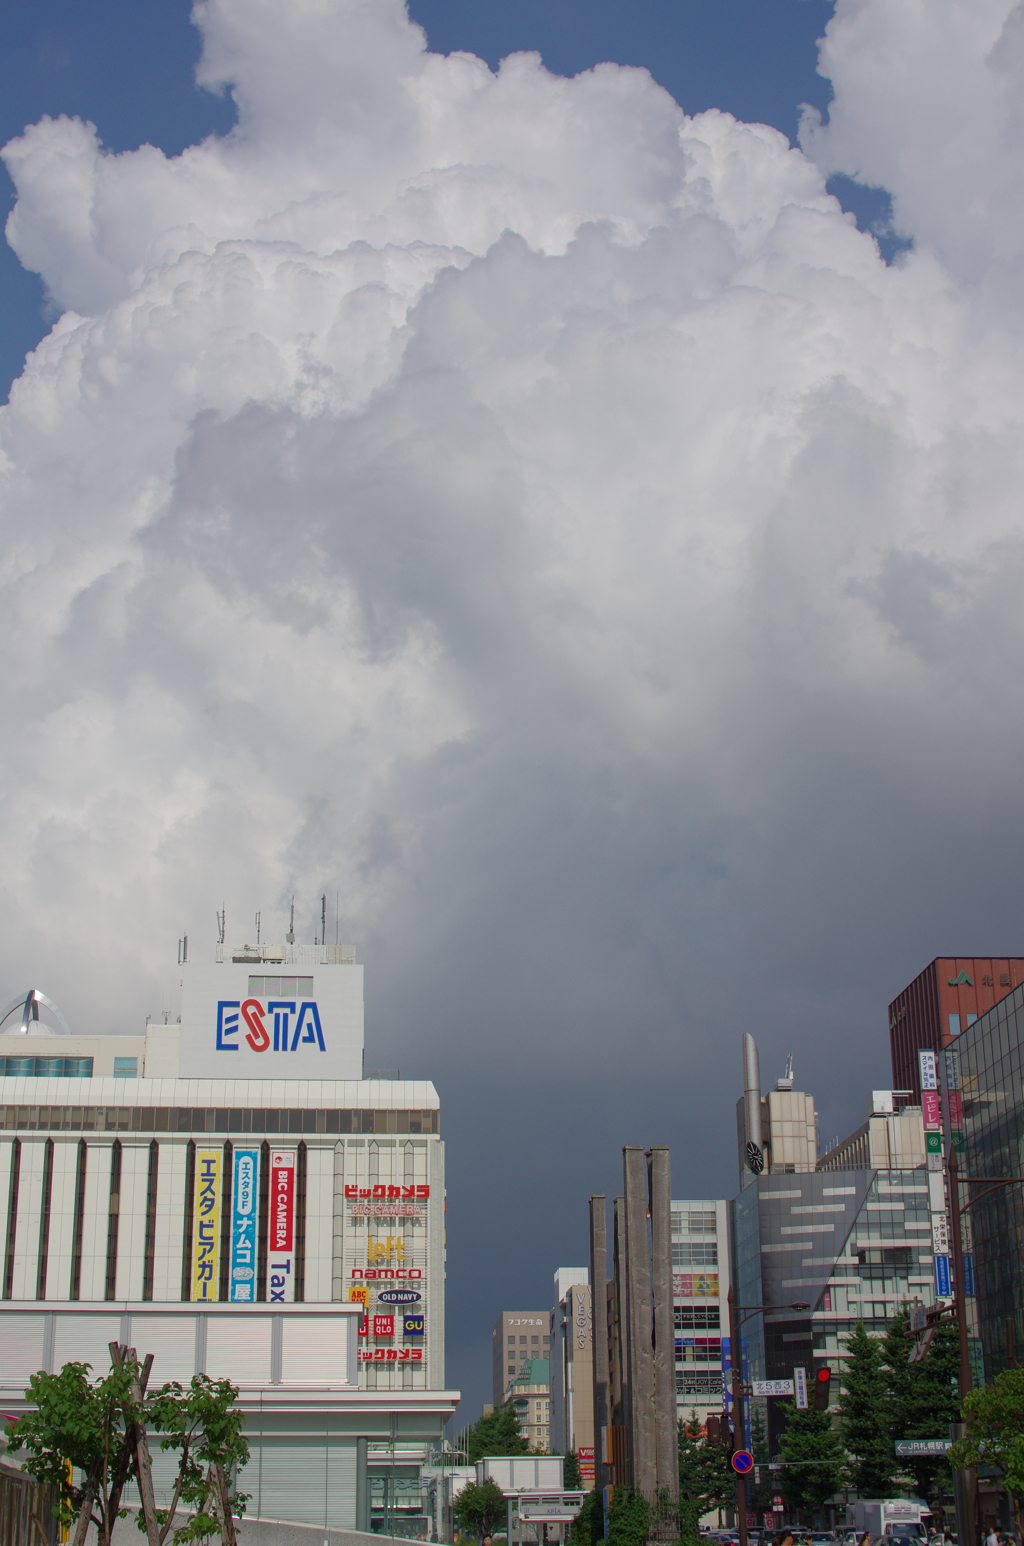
x=701 y=1223
x=954 y=1025
x=45 y=1068
x=694 y=1253
x=280 y=987
x=126 y=1068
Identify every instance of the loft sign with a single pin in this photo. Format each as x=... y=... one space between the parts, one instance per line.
x=296 y=1023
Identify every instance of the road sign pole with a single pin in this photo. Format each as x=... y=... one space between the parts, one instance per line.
x=737 y=1417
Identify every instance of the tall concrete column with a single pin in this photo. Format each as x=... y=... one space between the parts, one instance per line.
x=599 y=1311
x=638 y=1297
x=363 y=1487
x=666 y=1441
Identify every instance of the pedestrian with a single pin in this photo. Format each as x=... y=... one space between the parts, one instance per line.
x=992 y=1538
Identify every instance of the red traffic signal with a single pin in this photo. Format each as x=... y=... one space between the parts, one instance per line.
x=822 y=1381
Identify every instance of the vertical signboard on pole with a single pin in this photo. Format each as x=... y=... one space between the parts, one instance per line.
x=800 y=1388
x=942 y=1288
x=206 y=1225
x=245 y=1207
x=928 y=1068
x=281 y=1228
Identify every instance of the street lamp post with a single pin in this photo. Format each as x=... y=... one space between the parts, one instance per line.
x=735 y=1322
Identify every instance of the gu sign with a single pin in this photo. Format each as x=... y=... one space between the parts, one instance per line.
x=262 y=1019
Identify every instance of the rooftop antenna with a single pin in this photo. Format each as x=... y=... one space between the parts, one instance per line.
x=290 y=936
x=220 y=925
x=323 y=919
x=257 y=928
x=184 y=948
x=337 y=915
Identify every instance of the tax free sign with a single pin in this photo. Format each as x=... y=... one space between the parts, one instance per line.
x=270 y=1021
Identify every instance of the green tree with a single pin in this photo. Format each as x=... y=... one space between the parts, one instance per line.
x=100 y=1428
x=810 y=1435
x=995 y=1432
x=201 y=1422
x=924 y=1396
x=629 y=1518
x=496 y=1433
x=705 y=1477
x=479 y=1507
x=588 y=1526
x=571 y=1472
x=78 y=1421
x=866 y=1417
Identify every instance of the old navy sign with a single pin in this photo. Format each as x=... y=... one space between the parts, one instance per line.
x=296 y=1023
x=281 y=1228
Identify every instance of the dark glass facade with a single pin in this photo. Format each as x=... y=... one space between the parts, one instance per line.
x=209 y=1119
x=990 y=1057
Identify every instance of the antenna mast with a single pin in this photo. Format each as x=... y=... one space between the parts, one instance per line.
x=257 y=928
x=221 y=916
x=290 y=936
x=323 y=919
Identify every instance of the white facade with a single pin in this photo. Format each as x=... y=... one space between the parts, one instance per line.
x=700 y=1287
x=572 y=1369
x=166 y=1195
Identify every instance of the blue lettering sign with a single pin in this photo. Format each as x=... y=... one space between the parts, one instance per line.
x=942 y=1276
x=413 y=1325
x=969 y=1276
x=308 y=1030
x=399 y=1296
x=227 y=1024
x=245 y=1195
x=309 y=1016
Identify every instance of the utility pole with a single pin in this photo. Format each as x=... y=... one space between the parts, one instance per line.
x=965 y=1480
x=599 y=1310
x=737 y=1415
x=641 y=1353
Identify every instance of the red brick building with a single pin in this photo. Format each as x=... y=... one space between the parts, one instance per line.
x=944 y=1000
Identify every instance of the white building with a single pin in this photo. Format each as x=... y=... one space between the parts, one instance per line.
x=572 y=1369
x=700 y=1288
x=235 y=1161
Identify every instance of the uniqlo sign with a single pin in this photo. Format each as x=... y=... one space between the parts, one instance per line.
x=281 y=1228
x=383 y=1325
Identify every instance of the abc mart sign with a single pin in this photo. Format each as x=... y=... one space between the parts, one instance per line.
x=231 y=1028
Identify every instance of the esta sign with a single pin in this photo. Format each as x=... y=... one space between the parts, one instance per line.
x=232 y=1014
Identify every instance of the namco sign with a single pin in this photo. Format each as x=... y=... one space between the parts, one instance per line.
x=387 y=1272
x=295 y=1023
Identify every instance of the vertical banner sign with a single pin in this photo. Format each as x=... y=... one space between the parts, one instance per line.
x=206 y=1225
x=930 y=1110
x=942 y=1277
x=929 y=1069
x=800 y=1388
x=727 y=1376
x=968 y=1261
x=281 y=1228
x=245 y=1209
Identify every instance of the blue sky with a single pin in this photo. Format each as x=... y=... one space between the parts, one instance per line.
x=128 y=68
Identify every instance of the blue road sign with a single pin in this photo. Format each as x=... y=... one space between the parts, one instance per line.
x=742 y=1461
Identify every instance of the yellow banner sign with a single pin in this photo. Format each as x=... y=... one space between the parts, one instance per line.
x=206 y=1225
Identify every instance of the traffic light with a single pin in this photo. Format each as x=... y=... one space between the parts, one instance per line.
x=822 y=1381
x=714 y=1430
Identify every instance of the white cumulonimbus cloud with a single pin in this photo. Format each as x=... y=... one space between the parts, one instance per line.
x=535 y=515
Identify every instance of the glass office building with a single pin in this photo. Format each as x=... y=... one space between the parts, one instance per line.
x=988 y=1061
